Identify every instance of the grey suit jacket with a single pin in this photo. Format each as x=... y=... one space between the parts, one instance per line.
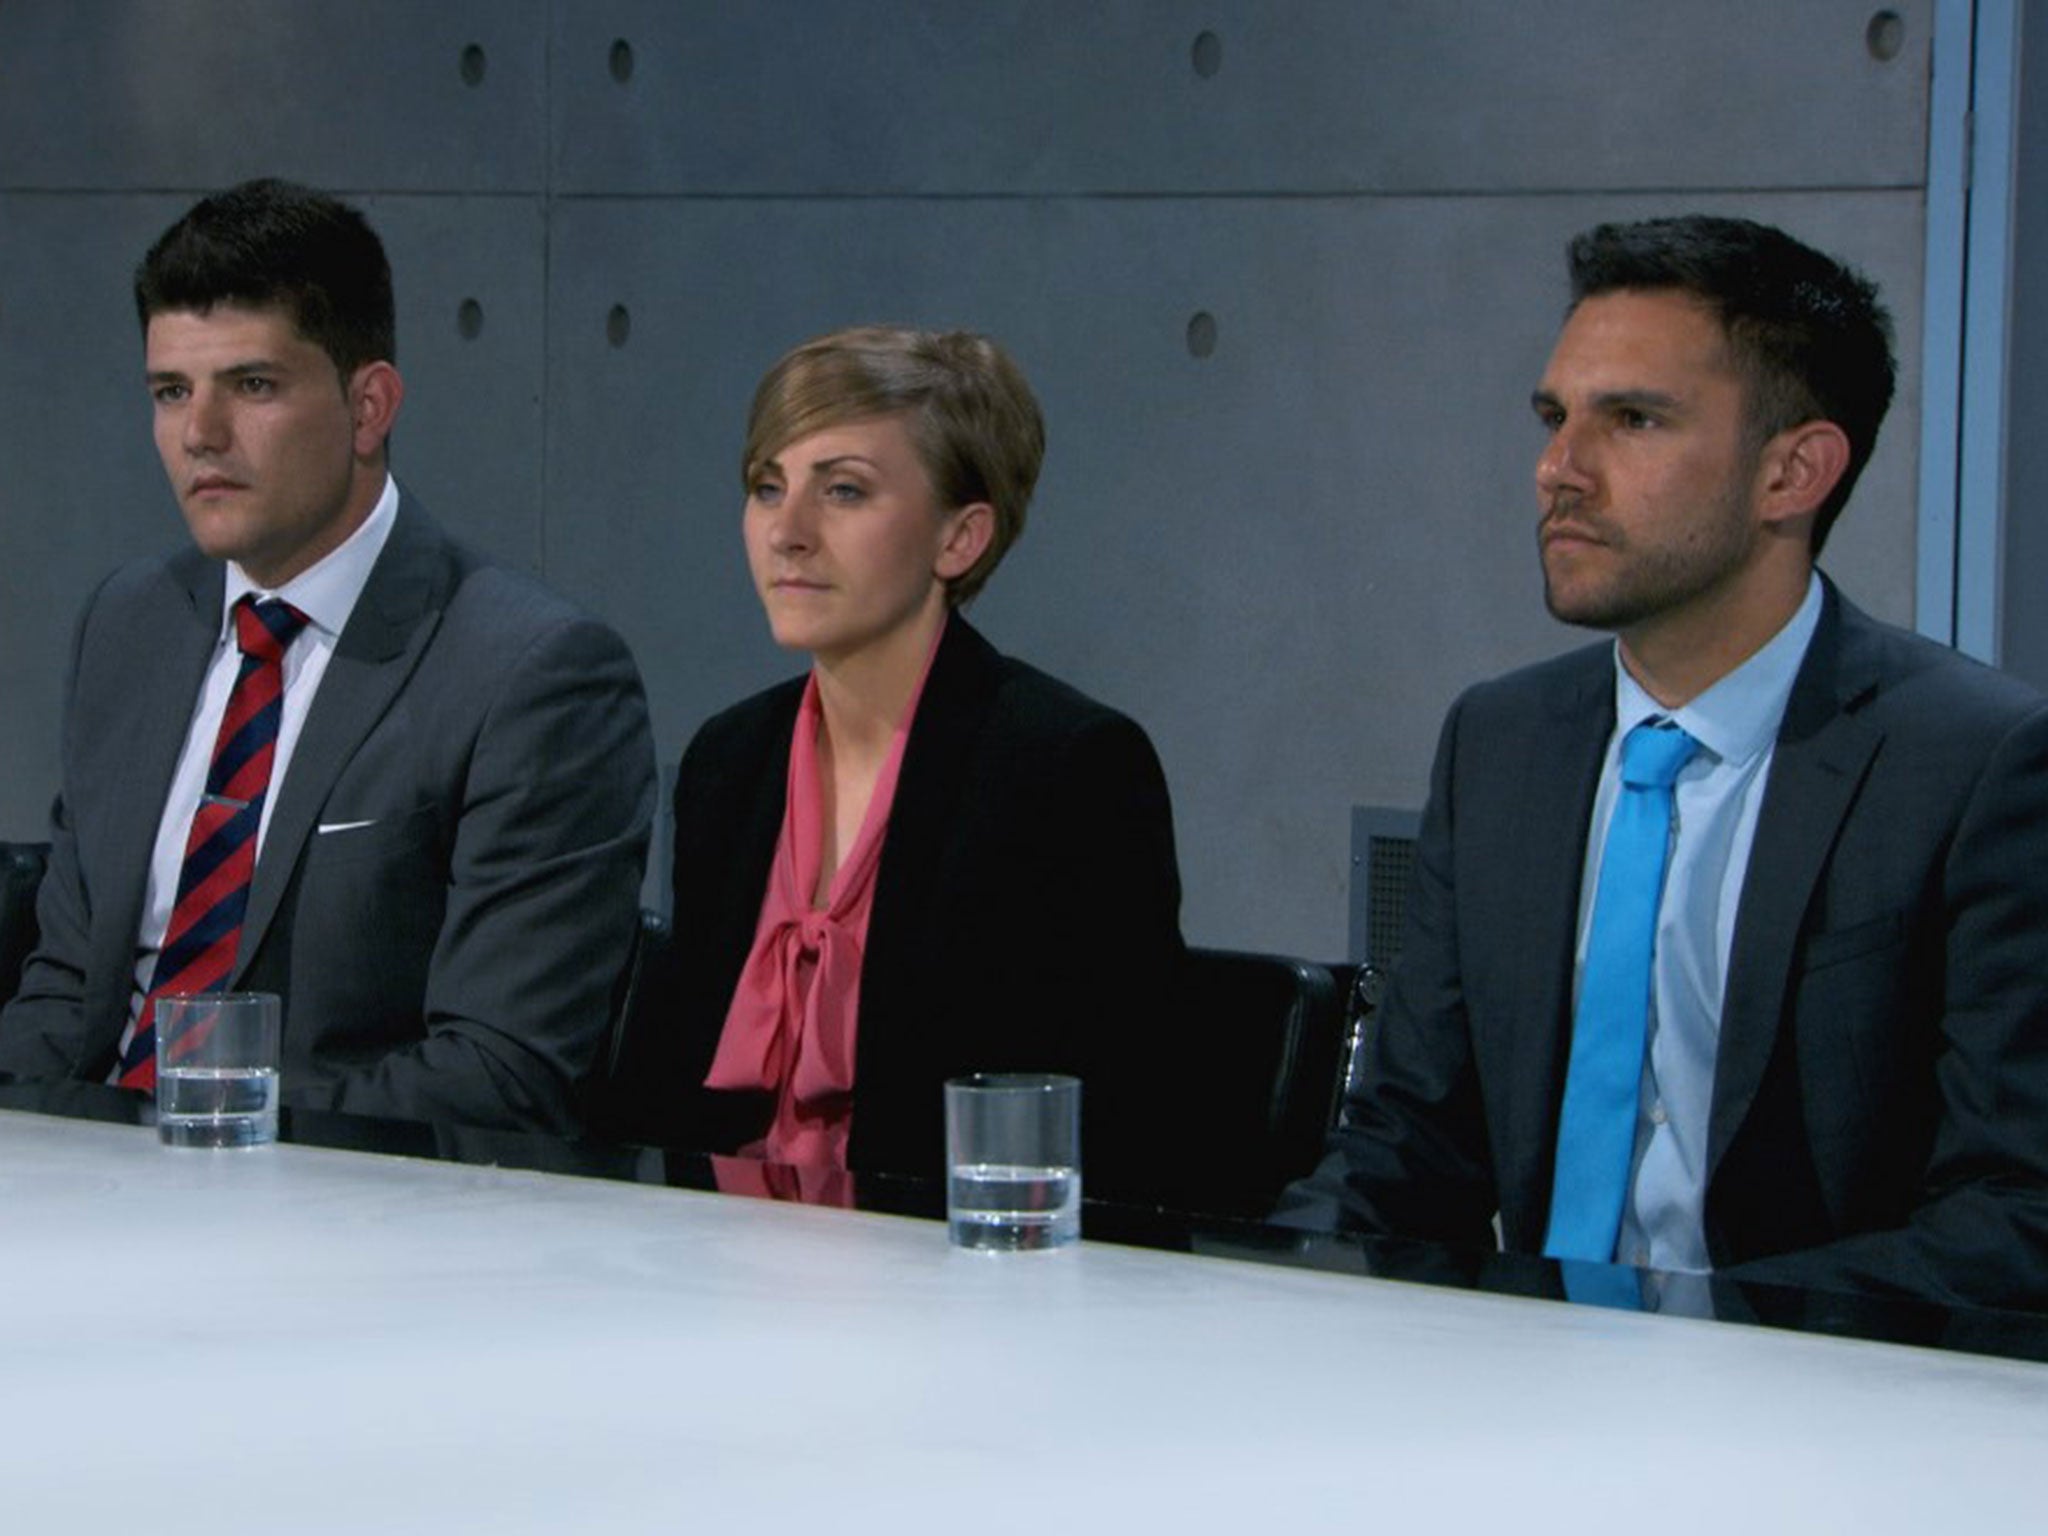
x=1880 y=1106
x=448 y=886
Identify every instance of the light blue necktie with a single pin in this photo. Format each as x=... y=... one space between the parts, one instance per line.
x=1596 y=1132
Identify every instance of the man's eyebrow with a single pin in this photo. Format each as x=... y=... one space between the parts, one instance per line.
x=1612 y=400
x=238 y=370
x=1636 y=399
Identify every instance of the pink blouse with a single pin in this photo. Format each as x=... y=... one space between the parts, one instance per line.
x=790 y=1028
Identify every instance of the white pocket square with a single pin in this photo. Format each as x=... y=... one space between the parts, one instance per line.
x=341 y=826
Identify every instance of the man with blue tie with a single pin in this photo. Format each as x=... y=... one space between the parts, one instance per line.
x=1728 y=944
x=325 y=751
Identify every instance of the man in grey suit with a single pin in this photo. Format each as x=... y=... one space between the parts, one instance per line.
x=1839 y=1075
x=454 y=775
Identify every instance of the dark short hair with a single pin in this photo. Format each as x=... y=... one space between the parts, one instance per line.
x=971 y=415
x=276 y=245
x=1808 y=333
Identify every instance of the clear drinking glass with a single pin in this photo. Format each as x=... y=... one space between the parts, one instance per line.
x=216 y=1069
x=1013 y=1160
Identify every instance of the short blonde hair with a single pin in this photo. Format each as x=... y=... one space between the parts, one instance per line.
x=971 y=416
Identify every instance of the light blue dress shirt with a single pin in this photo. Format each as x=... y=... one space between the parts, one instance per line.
x=1714 y=813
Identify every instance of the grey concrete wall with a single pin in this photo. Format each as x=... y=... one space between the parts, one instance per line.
x=1284 y=556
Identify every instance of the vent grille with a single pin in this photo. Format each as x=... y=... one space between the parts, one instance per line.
x=1382 y=862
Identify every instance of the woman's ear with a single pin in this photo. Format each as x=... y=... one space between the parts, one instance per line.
x=969 y=531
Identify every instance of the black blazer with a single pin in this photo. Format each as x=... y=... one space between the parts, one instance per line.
x=1025 y=917
x=1880 y=1107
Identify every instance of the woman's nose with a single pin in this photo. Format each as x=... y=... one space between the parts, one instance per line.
x=794 y=522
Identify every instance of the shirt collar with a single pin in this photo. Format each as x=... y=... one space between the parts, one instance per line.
x=326 y=591
x=1738 y=717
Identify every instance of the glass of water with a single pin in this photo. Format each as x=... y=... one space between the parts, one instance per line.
x=216 y=1069
x=1013 y=1160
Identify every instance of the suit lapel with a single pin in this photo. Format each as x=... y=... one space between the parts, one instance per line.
x=1553 y=794
x=393 y=621
x=1824 y=747
x=921 y=819
x=949 y=715
x=759 y=808
x=167 y=669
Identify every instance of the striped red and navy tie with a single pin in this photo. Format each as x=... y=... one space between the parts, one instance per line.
x=220 y=851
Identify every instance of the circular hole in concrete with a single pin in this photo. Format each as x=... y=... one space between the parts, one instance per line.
x=1885 y=36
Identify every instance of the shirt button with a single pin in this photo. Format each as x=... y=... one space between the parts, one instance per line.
x=1657 y=1115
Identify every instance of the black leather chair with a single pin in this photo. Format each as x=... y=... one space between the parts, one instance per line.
x=635 y=1003
x=1262 y=1037
x=1259 y=1041
x=1361 y=987
x=21 y=872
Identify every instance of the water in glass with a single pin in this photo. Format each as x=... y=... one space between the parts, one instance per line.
x=1005 y=1207
x=217 y=1106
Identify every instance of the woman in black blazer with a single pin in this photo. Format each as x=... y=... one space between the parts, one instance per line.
x=1021 y=897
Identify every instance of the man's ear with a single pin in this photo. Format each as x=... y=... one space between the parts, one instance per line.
x=1799 y=469
x=375 y=392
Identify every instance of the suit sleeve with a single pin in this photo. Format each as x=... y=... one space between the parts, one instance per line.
x=1979 y=1232
x=1114 y=963
x=42 y=1031
x=1410 y=1155
x=543 y=891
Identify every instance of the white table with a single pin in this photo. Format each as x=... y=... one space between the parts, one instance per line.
x=298 y=1340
